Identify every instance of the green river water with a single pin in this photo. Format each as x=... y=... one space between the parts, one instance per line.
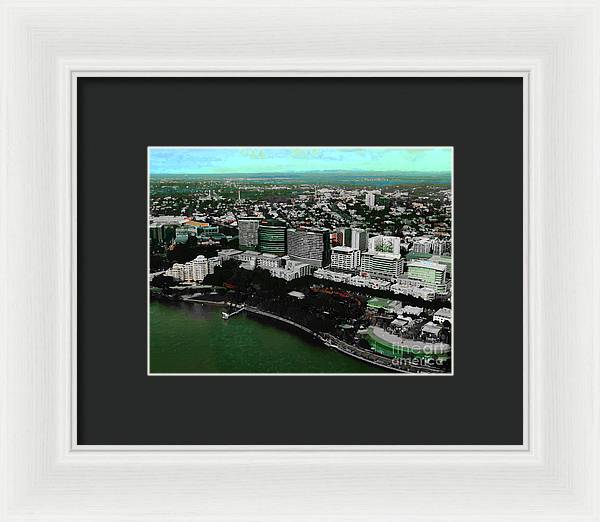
x=193 y=338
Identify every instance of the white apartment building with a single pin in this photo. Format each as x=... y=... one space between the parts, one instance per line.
x=345 y=258
x=440 y=246
x=422 y=245
x=370 y=199
x=176 y=272
x=195 y=270
x=381 y=265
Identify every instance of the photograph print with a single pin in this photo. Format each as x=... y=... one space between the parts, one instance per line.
x=300 y=260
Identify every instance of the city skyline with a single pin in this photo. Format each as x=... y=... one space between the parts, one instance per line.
x=355 y=260
x=242 y=161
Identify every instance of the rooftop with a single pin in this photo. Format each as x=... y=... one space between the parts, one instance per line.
x=444 y=312
x=427 y=264
x=412 y=310
x=379 y=302
x=344 y=249
x=432 y=328
x=387 y=255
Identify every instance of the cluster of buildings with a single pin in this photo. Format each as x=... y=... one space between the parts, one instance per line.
x=428 y=245
x=273 y=234
x=310 y=245
x=378 y=262
x=408 y=330
x=177 y=229
x=278 y=266
x=375 y=262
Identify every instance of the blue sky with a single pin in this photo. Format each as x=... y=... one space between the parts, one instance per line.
x=254 y=160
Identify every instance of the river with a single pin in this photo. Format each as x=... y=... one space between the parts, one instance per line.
x=193 y=338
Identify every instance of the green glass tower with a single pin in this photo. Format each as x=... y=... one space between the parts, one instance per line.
x=272 y=236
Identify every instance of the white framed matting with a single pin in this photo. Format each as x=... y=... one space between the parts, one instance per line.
x=553 y=45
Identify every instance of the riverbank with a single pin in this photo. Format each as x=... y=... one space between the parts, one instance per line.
x=327 y=340
x=333 y=342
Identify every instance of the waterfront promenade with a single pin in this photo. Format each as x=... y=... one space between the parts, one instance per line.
x=368 y=356
x=337 y=344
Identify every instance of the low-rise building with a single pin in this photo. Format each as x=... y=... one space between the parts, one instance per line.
x=269 y=261
x=369 y=282
x=429 y=274
x=338 y=277
x=183 y=233
x=431 y=331
x=228 y=253
x=412 y=288
x=415 y=311
x=291 y=270
x=443 y=314
x=389 y=305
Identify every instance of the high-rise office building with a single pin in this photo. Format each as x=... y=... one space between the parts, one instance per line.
x=359 y=239
x=389 y=244
x=309 y=245
x=343 y=236
x=345 y=258
x=370 y=199
x=272 y=237
x=248 y=232
x=431 y=275
x=156 y=233
x=169 y=233
x=382 y=265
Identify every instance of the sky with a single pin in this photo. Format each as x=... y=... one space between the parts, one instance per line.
x=256 y=160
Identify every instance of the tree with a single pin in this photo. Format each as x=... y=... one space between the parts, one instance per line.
x=163 y=281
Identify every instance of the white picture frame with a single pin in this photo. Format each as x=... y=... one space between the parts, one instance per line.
x=553 y=45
